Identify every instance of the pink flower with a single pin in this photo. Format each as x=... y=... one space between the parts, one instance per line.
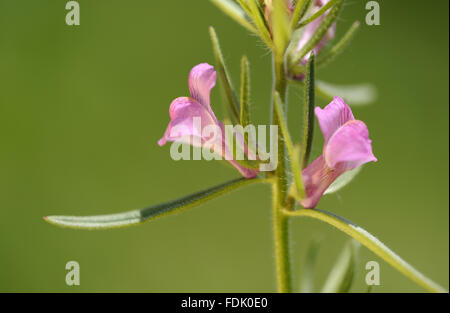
x=347 y=146
x=310 y=29
x=193 y=121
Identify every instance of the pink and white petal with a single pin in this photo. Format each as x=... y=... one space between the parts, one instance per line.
x=333 y=116
x=188 y=118
x=202 y=79
x=317 y=177
x=349 y=147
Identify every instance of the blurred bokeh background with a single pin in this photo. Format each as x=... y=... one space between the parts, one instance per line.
x=82 y=107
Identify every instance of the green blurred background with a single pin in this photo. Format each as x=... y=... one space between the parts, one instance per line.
x=81 y=110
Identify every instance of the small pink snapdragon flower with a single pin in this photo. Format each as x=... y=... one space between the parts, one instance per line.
x=194 y=122
x=347 y=146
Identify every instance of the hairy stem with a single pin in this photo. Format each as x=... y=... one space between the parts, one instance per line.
x=279 y=190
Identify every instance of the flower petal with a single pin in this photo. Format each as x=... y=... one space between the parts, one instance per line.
x=349 y=147
x=317 y=177
x=182 y=125
x=333 y=116
x=202 y=79
x=188 y=121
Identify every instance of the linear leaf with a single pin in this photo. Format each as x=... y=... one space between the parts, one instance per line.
x=339 y=46
x=231 y=9
x=319 y=13
x=341 y=276
x=255 y=12
x=307 y=281
x=134 y=217
x=299 y=11
x=308 y=111
x=245 y=91
x=293 y=156
x=227 y=84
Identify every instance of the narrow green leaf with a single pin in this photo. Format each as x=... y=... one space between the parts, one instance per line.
x=257 y=15
x=224 y=76
x=372 y=243
x=296 y=57
x=343 y=180
x=308 y=111
x=231 y=9
x=293 y=156
x=143 y=215
x=245 y=91
x=341 y=276
x=339 y=46
x=307 y=281
x=300 y=9
x=319 y=13
x=361 y=94
x=280 y=26
x=244 y=5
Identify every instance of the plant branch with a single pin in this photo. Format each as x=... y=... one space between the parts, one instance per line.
x=372 y=243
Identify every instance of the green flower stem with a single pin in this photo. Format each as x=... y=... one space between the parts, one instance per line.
x=372 y=243
x=279 y=189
